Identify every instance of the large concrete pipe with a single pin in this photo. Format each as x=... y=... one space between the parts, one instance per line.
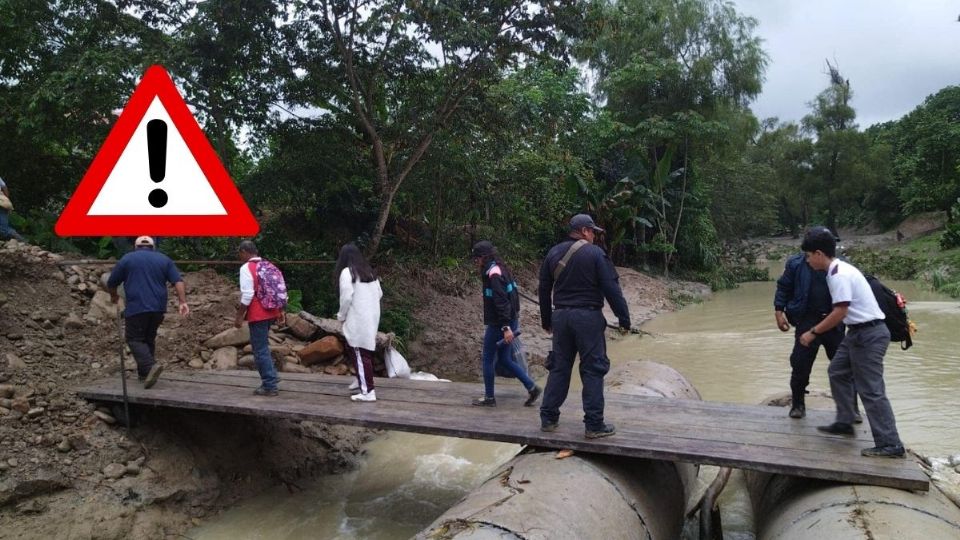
x=536 y=495
x=790 y=508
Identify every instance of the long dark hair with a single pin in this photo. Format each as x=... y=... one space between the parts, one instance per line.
x=360 y=270
x=496 y=259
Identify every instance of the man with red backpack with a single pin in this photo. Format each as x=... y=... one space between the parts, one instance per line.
x=263 y=296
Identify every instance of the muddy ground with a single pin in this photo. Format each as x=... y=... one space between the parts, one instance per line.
x=69 y=470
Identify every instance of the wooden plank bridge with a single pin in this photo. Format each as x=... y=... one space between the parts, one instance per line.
x=742 y=436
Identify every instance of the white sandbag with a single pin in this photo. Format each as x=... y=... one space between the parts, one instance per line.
x=396 y=364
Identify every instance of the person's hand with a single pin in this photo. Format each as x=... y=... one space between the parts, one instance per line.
x=114 y=298
x=184 y=309
x=807 y=338
x=508 y=336
x=282 y=319
x=782 y=323
x=238 y=322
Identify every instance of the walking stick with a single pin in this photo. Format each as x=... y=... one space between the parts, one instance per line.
x=123 y=372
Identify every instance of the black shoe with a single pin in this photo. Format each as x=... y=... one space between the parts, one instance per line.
x=151 y=378
x=857 y=419
x=549 y=427
x=534 y=394
x=485 y=402
x=261 y=391
x=605 y=431
x=884 y=451
x=837 y=428
x=798 y=412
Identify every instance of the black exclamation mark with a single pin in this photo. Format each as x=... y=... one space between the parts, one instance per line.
x=157 y=154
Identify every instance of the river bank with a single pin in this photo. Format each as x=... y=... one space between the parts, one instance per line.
x=68 y=470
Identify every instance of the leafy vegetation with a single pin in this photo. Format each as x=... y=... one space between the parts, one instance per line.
x=416 y=128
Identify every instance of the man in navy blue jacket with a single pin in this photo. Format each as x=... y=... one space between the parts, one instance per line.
x=575 y=277
x=803 y=300
x=144 y=274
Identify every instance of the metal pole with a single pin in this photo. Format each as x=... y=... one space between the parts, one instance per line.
x=123 y=370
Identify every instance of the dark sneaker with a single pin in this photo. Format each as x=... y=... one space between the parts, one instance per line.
x=884 y=451
x=857 y=419
x=151 y=378
x=266 y=391
x=605 y=431
x=549 y=427
x=837 y=428
x=798 y=412
x=534 y=394
x=485 y=402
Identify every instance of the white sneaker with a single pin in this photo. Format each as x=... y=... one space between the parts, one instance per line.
x=354 y=385
x=369 y=396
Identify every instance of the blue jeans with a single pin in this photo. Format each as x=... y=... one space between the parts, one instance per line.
x=6 y=231
x=259 y=331
x=493 y=354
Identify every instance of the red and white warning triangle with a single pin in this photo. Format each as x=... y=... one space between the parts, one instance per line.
x=156 y=174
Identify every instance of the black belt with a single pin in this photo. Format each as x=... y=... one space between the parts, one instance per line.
x=865 y=324
x=588 y=308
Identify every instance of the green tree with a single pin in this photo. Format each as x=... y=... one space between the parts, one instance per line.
x=399 y=73
x=926 y=148
x=669 y=71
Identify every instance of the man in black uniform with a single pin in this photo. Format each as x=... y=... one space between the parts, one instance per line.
x=574 y=279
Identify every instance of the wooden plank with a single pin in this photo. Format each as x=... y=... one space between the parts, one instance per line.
x=749 y=437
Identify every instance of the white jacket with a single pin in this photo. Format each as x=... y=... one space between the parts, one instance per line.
x=359 y=311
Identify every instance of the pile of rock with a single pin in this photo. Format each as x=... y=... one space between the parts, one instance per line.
x=306 y=344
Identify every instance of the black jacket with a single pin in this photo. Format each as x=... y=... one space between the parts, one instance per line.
x=588 y=278
x=501 y=301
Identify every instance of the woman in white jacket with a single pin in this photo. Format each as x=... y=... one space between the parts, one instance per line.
x=360 y=295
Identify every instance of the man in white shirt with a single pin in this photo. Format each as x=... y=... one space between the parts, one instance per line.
x=857 y=367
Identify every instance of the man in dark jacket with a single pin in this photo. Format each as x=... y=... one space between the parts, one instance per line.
x=144 y=274
x=501 y=315
x=575 y=277
x=803 y=300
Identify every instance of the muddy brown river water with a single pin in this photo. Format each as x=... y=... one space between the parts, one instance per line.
x=728 y=347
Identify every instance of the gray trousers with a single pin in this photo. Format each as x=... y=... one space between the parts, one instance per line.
x=857 y=368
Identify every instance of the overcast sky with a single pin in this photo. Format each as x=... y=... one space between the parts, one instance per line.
x=894 y=52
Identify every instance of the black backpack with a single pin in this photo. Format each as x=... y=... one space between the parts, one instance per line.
x=894 y=309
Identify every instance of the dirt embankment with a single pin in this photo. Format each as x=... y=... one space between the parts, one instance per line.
x=68 y=470
x=451 y=314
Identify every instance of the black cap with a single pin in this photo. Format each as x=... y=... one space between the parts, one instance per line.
x=580 y=221
x=483 y=248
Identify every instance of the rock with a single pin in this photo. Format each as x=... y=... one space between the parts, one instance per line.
x=196 y=363
x=224 y=358
x=247 y=361
x=233 y=336
x=323 y=349
x=21 y=405
x=73 y=322
x=6 y=391
x=132 y=468
x=14 y=336
x=300 y=327
x=109 y=419
x=78 y=442
x=114 y=470
x=289 y=367
x=14 y=362
x=101 y=308
x=35 y=412
x=42 y=482
x=64 y=446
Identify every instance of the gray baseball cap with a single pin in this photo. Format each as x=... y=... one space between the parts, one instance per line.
x=580 y=221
